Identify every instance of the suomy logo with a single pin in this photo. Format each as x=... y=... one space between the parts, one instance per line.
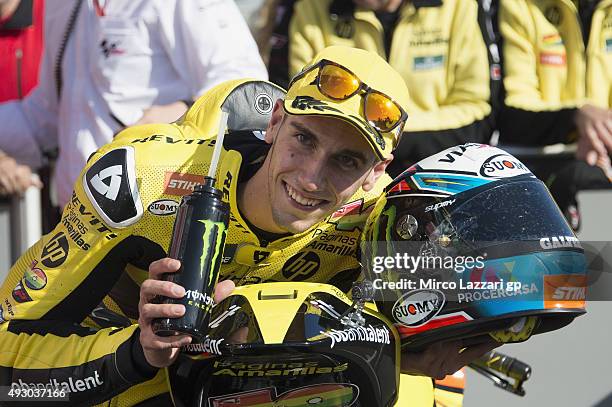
x=163 y=207
x=417 y=307
x=502 y=166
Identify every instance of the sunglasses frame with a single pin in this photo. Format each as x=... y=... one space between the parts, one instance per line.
x=364 y=89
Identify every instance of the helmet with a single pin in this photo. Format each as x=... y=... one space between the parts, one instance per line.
x=288 y=344
x=468 y=244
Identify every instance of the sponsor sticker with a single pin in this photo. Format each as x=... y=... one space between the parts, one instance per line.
x=560 y=242
x=55 y=252
x=439 y=205
x=163 y=207
x=209 y=345
x=428 y=62
x=71 y=385
x=350 y=216
x=35 y=278
x=564 y=291
x=358 y=334
x=179 y=184
x=263 y=104
x=9 y=308
x=301 y=266
x=20 y=294
x=110 y=184
x=553 y=59
x=322 y=394
x=415 y=308
x=502 y=166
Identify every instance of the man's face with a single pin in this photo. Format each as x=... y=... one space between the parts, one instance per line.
x=314 y=166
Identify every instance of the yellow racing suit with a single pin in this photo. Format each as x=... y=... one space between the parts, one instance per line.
x=70 y=303
x=436 y=46
x=557 y=56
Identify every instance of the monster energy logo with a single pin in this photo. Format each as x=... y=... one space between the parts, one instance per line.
x=213 y=237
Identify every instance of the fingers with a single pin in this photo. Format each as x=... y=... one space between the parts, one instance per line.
x=152 y=288
x=223 y=289
x=162 y=266
x=149 y=311
x=590 y=147
x=474 y=352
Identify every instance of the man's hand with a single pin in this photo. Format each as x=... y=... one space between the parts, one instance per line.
x=443 y=358
x=594 y=126
x=162 y=351
x=162 y=113
x=14 y=177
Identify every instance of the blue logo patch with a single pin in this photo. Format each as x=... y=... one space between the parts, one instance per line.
x=428 y=62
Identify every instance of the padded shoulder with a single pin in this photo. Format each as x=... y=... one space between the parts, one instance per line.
x=249 y=104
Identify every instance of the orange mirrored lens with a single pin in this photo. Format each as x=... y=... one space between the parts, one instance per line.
x=381 y=112
x=337 y=83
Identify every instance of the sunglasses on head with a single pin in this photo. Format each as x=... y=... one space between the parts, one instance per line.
x=339 y=83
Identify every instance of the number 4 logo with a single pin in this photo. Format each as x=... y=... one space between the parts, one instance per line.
x=108 y=190
x=319 y=395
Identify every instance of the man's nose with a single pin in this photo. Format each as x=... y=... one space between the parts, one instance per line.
x=312 y=175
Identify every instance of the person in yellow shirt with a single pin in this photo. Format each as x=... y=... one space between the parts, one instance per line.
x=557 y=65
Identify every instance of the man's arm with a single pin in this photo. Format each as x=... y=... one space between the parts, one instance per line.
x=60 y=280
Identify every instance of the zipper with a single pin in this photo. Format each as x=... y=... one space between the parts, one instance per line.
x=18 y=61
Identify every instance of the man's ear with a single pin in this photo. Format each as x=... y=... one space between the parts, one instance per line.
x=275 y=121
x=375 y=173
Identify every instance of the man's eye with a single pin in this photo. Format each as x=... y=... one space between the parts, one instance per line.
x=304 y=139
x=347 y=161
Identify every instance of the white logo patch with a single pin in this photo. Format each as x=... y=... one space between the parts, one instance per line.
x=108 y=190
x=263 y=104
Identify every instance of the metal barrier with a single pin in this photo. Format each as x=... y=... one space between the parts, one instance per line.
x=20 y=226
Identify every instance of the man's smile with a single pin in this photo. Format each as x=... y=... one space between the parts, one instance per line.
x=301 y=201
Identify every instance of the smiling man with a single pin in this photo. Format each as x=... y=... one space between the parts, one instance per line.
x=298 y=192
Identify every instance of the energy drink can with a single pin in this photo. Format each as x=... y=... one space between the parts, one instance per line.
x=198 y=240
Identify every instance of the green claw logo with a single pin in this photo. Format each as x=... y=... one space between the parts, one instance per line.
x=213 y=237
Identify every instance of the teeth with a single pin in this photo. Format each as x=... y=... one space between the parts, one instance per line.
x=301 y=199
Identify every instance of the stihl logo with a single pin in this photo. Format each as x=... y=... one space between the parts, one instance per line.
x=110 y=190
x=180 y=184
x=569 y=293
x=565 y=291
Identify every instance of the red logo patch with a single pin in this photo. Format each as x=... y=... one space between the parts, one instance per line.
x=549 y=58
x=180 y=184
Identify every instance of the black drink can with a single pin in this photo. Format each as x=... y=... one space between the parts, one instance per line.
x=198 y=239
